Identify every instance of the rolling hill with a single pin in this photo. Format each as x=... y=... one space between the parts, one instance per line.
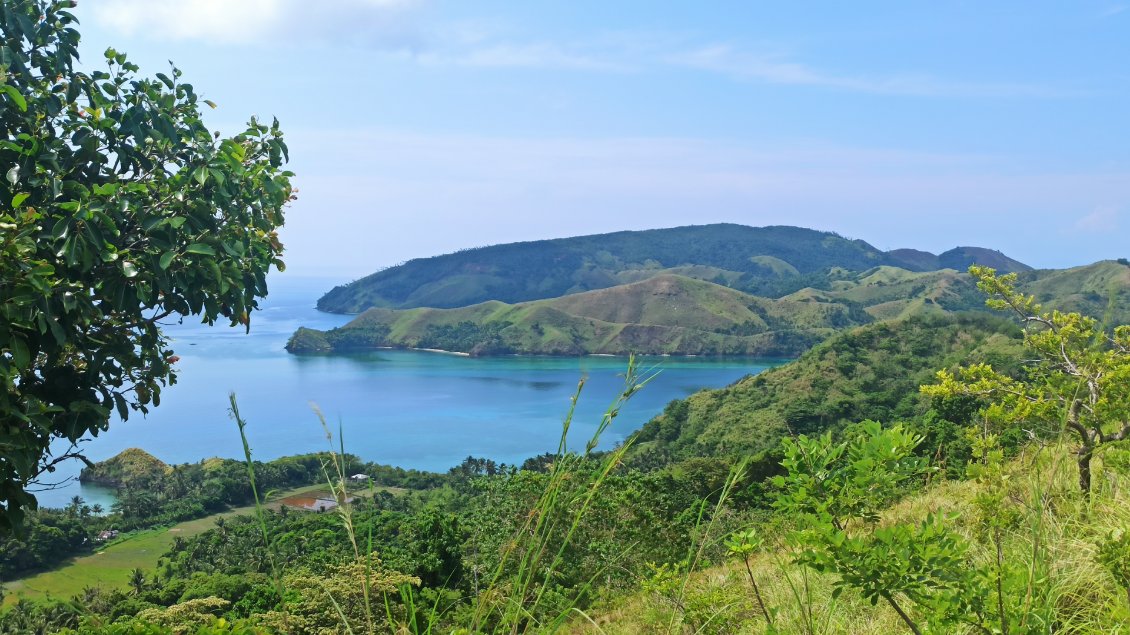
x=697 y=290
x=663 y=314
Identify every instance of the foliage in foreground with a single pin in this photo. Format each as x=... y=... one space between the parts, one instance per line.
x=118 y=209
x=868 y=534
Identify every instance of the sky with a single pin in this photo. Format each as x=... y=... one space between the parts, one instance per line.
x=420 y=127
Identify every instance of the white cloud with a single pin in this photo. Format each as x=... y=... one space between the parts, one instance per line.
x=776 y=69
x=248 y=21
x=1103 y=218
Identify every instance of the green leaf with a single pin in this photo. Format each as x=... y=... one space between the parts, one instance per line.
x=167 y=259
x=120 y=403
x=211 y=104
x=20 y=353
x=176 y=221
x=14 y=93
x=201 y=248
x=57 y=331
x=201 y=175
x=13 y=174
x=19 y=198
x=106 y=190
x=129 y=269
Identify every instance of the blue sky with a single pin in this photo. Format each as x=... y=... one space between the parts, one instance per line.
x=419 y=127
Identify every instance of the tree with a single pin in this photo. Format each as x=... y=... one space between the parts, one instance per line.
x=137 y=581
x=837 y=491
x=1078 y=379
x=119 y=210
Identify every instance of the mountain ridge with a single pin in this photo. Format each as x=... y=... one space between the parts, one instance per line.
x=769 y=261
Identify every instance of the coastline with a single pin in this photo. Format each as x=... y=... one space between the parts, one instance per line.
x=431 y=350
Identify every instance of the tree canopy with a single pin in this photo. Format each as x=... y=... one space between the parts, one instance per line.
x=119 y=210
x=1077 y=380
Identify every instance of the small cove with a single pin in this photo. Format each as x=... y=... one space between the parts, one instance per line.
x=414 y=409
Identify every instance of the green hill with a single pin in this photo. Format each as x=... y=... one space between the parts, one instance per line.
x=131 y=465
x=665 y=314
x=766 y=261
x=1101 y=289
x=673 y=314
x=871 y=372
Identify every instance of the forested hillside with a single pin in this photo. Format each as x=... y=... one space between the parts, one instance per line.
x=766 y=261
x=872 y=372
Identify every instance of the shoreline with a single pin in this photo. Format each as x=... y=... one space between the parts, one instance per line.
x=352 y=350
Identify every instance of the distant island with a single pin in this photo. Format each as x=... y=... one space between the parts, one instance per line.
x=699 y=290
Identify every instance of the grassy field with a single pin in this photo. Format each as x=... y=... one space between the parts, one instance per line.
x=111 y=566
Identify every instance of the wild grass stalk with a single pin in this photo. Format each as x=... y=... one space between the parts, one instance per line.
x=260 y=510
x=514 y=597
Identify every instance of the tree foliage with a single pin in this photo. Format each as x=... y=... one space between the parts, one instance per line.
x=1078 y=378
x=118 y=209
x=837 y=492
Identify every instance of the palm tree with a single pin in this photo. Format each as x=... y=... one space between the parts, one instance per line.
x=137 y=581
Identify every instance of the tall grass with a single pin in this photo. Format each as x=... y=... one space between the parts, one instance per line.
x=515 y=598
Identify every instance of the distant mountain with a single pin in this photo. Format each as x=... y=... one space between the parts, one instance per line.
x=765 y=261
x=663 y=314
x=959 y=258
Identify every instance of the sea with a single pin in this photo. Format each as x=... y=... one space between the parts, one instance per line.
x=414 y=409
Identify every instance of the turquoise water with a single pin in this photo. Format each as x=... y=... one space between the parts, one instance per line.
x=409 y=408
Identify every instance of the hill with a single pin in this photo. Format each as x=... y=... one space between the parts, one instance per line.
x=766 y=261
x=959 y=258
x=871 y=372
x=1101 y=289
x=132 y=465
x=665 y=314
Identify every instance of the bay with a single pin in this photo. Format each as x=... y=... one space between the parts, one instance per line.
x=414 y=409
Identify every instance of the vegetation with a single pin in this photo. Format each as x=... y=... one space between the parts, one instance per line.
x=150 y=493
x=872 y=372
x=661 y=315
x=793 y=519
x=992 y=498
x=120 y=209
x=669 y=313
x=767 y=261
x=1079 y=380
x=132 y=465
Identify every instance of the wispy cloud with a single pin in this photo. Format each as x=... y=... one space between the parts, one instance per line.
x=776 y=69
x=1101 y=219
x=256 y=21
x=520 y=55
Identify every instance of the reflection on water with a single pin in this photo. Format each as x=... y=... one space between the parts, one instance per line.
x=408 y=408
